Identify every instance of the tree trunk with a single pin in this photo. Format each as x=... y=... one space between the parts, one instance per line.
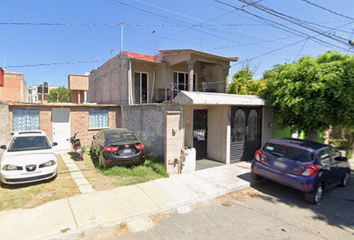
x=311 y=135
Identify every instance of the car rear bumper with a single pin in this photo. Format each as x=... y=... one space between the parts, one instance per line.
x=20 y=177
x=113 y=160
x=302 y=183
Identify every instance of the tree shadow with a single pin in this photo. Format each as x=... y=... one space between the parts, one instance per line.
x=336 y=208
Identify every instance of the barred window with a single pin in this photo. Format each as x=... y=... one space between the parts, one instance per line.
x=25 y=119
x=98 y=118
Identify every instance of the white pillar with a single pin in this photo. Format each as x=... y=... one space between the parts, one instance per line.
x=190 y=74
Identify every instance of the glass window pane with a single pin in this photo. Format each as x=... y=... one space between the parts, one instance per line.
x=144 y=87
x=137 y=88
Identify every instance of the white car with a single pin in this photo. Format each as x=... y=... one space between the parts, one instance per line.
x=27 y=158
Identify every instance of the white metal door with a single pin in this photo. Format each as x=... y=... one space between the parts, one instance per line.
x=61 y=128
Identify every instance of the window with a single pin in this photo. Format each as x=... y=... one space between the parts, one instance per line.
x=98 y=118
x=25 y=119
x=141 y=88
x=181 y=81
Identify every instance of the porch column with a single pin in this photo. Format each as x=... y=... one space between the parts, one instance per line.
x=190 y=74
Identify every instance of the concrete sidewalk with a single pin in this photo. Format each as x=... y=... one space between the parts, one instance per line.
x=85 y=212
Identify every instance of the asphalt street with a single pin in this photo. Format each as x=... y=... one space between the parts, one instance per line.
x=265 y=211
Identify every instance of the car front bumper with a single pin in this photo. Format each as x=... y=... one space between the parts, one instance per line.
x=21 y=176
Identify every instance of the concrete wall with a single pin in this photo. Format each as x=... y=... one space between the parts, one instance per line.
x=4 y=125
x=172 y=142
x=147 y=122
x=267 y=124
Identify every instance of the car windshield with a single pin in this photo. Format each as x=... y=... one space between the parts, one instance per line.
x=120 y=136
x=29 y=143
x=288 y=152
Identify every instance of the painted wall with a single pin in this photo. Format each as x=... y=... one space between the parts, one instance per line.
x=217 y=133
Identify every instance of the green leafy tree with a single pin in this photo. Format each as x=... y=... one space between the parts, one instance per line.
x=313 y=93
x=243 y=83
x=60 y=94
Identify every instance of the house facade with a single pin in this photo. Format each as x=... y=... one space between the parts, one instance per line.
x=60 y=120
x=220 y=126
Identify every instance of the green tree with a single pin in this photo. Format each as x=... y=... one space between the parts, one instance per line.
x=243 y=83
x=313 y=93
x=60 y=94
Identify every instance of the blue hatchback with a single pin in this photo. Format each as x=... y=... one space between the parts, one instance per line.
x=307 y=166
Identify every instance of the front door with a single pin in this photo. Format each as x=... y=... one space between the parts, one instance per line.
x=61 y=127
x=200 y=133
x=245 y=133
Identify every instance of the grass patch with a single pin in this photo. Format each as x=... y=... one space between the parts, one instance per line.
x=101 y=178
x=35 y=194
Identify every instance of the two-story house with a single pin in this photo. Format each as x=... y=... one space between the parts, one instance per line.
x=220 y=126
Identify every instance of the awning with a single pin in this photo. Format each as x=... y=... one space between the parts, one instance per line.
x=206 y=98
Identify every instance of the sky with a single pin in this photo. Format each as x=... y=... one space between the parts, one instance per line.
x=47 y=40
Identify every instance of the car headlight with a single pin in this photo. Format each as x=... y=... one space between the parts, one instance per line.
x=47 y=164
x=11 y=168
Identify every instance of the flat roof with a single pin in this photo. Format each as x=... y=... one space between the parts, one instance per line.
x=207 y=98
x=200 y=53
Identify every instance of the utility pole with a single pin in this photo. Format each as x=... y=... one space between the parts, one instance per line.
x=121 y=36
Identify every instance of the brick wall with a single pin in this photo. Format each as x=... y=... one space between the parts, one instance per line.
x=14 y=89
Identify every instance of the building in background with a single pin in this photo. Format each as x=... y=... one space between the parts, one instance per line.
x=13 y=87
x=78 y=86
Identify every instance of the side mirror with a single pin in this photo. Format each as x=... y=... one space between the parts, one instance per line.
x=3 y=147
x=54 y=144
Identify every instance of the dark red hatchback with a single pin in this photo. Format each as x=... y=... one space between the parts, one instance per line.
x=117 y=147
x=307 y=166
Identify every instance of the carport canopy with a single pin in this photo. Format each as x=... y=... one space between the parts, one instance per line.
x=206 y=98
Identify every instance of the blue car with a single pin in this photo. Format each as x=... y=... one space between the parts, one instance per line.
x=307 y=166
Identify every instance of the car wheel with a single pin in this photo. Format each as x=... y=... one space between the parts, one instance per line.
x=255 y=176
x=316 y=196
x=345 y=180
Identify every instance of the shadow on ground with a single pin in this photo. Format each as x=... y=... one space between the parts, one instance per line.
x=336 y=208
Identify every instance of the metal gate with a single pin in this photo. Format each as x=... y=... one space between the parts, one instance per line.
x=245 y=133
x=200 y=133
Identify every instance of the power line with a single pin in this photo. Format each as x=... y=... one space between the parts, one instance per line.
x=271 y=12
x=326 y=9
x=284 y=28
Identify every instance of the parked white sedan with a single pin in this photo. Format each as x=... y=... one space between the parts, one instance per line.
x=27 y=158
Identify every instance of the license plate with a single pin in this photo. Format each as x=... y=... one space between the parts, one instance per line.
x=125 y=151
x=280 y=165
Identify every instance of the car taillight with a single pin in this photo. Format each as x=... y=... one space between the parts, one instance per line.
x=257 y=155
x=110 y=149
x=311 y=169
x=141 y=146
